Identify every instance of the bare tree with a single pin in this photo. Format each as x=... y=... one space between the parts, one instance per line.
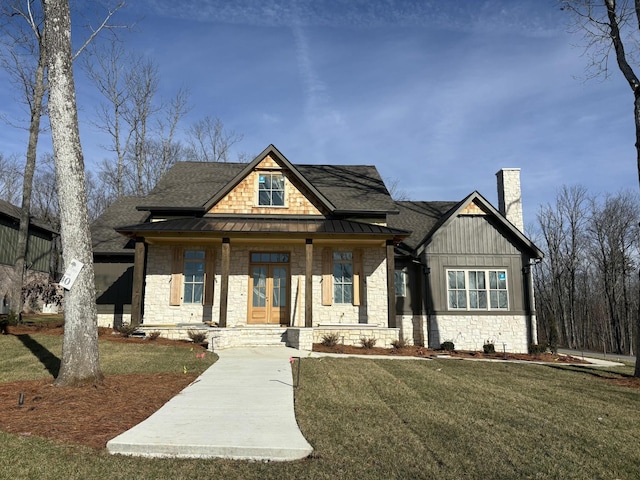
x=80 y=359
x=612 y=27
x=24 y=58
x=10 y=179
x=209 y=141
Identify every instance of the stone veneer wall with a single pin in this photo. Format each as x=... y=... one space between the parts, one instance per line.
x=353 y=333
x=372 y=311
x=413 y=329
x=106 y=319
x=373 y=306
x=470 y=332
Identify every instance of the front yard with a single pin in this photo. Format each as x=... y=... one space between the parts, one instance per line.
x=369 y=419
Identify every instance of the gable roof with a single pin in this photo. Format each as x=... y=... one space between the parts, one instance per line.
x=104 y=238
x=341 y=189
x=13 y=212
x=425 y=219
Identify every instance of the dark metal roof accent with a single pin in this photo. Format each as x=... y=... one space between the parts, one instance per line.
x=261 y=227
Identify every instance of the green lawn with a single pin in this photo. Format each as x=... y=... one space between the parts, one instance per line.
x=371 y=419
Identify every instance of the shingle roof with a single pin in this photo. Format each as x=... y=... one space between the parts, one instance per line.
x=104 y=238
x=350 y=187
x=190 y=185
x=421 y=218
x=13 y=212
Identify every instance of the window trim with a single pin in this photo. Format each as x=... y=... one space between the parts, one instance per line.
x=487 y=289
x=195 y=260
x=341 y=284
x=402 y=280
x=284 y=190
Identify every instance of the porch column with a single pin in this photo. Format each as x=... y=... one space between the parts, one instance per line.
x=308 y=284
x=224 y=284
x=391 y=285
x=138 y=281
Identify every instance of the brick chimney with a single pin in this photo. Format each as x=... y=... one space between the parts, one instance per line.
x=510 y=196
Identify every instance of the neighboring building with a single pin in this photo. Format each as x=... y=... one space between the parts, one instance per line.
x=39 y=250
x=272 y=251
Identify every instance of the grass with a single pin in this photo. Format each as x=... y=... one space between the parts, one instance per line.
x=33 y=356
x=371 y=419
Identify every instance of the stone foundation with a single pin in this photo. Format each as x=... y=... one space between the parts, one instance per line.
x=413 y=329
x=351 y=334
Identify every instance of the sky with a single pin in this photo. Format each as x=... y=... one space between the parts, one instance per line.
x=438 y=95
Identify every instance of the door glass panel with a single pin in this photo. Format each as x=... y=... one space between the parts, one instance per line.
x=279 y=287
x=259 y=286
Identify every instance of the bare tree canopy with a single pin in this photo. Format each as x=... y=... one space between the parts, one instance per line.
x=611 y=27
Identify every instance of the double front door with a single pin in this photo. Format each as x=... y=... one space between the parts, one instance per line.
x=269 y=289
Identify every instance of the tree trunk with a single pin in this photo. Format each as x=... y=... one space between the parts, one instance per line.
x=80 y=361
x=27 y=181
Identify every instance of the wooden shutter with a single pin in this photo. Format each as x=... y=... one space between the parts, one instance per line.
x=209 y=274
x=357 y=276
x=177 y=264
x=327 y=276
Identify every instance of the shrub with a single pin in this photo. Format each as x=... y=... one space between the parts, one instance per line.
x=489 y=347
x=126 y=330
x=447 y=346
x=153 y=335
x=330 y=339
x=368 y=342
x=400 y=343
x=537 y=349
x=197 y=337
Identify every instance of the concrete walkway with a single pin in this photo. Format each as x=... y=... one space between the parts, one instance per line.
x=241 y=407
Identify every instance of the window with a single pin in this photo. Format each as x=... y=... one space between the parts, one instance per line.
x=342 y=277
x=271 y=189
x=477 y=290
x=193 y=276
x=401 y=283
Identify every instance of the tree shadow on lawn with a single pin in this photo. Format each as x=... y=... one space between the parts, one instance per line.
x=598 y=372
x=48 y=359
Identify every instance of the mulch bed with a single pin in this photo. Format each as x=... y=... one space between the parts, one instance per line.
x=90 y=415
x=422 y=352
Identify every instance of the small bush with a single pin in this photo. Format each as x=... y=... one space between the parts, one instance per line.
x=447 y=346
x=197 y=337
x=398 y=344
x=330 y=339
x=153 y=335
x=368 y=342
x=537 y=349
x=126 y=330
x=489 y=347
x=12 y=319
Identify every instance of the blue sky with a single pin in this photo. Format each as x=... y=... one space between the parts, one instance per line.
x=437 y=94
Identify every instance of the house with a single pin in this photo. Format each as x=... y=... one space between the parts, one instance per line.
x=272 y=251
x=39 y=250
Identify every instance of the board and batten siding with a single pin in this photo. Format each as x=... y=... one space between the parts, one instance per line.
x=472 y=241
x=39 y=247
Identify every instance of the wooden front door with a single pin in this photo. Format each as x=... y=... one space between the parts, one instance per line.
x=269 y=289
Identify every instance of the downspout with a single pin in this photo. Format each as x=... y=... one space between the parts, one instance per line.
x=532 y=322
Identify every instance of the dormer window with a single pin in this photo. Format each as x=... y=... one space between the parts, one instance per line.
x=271 y=189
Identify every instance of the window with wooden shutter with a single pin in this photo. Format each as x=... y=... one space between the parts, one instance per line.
x=175 y=297
x=358 y=277
x=327 y=276
x=209 y=275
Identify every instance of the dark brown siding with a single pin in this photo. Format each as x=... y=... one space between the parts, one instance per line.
x=114 y=281
x=468 y=242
